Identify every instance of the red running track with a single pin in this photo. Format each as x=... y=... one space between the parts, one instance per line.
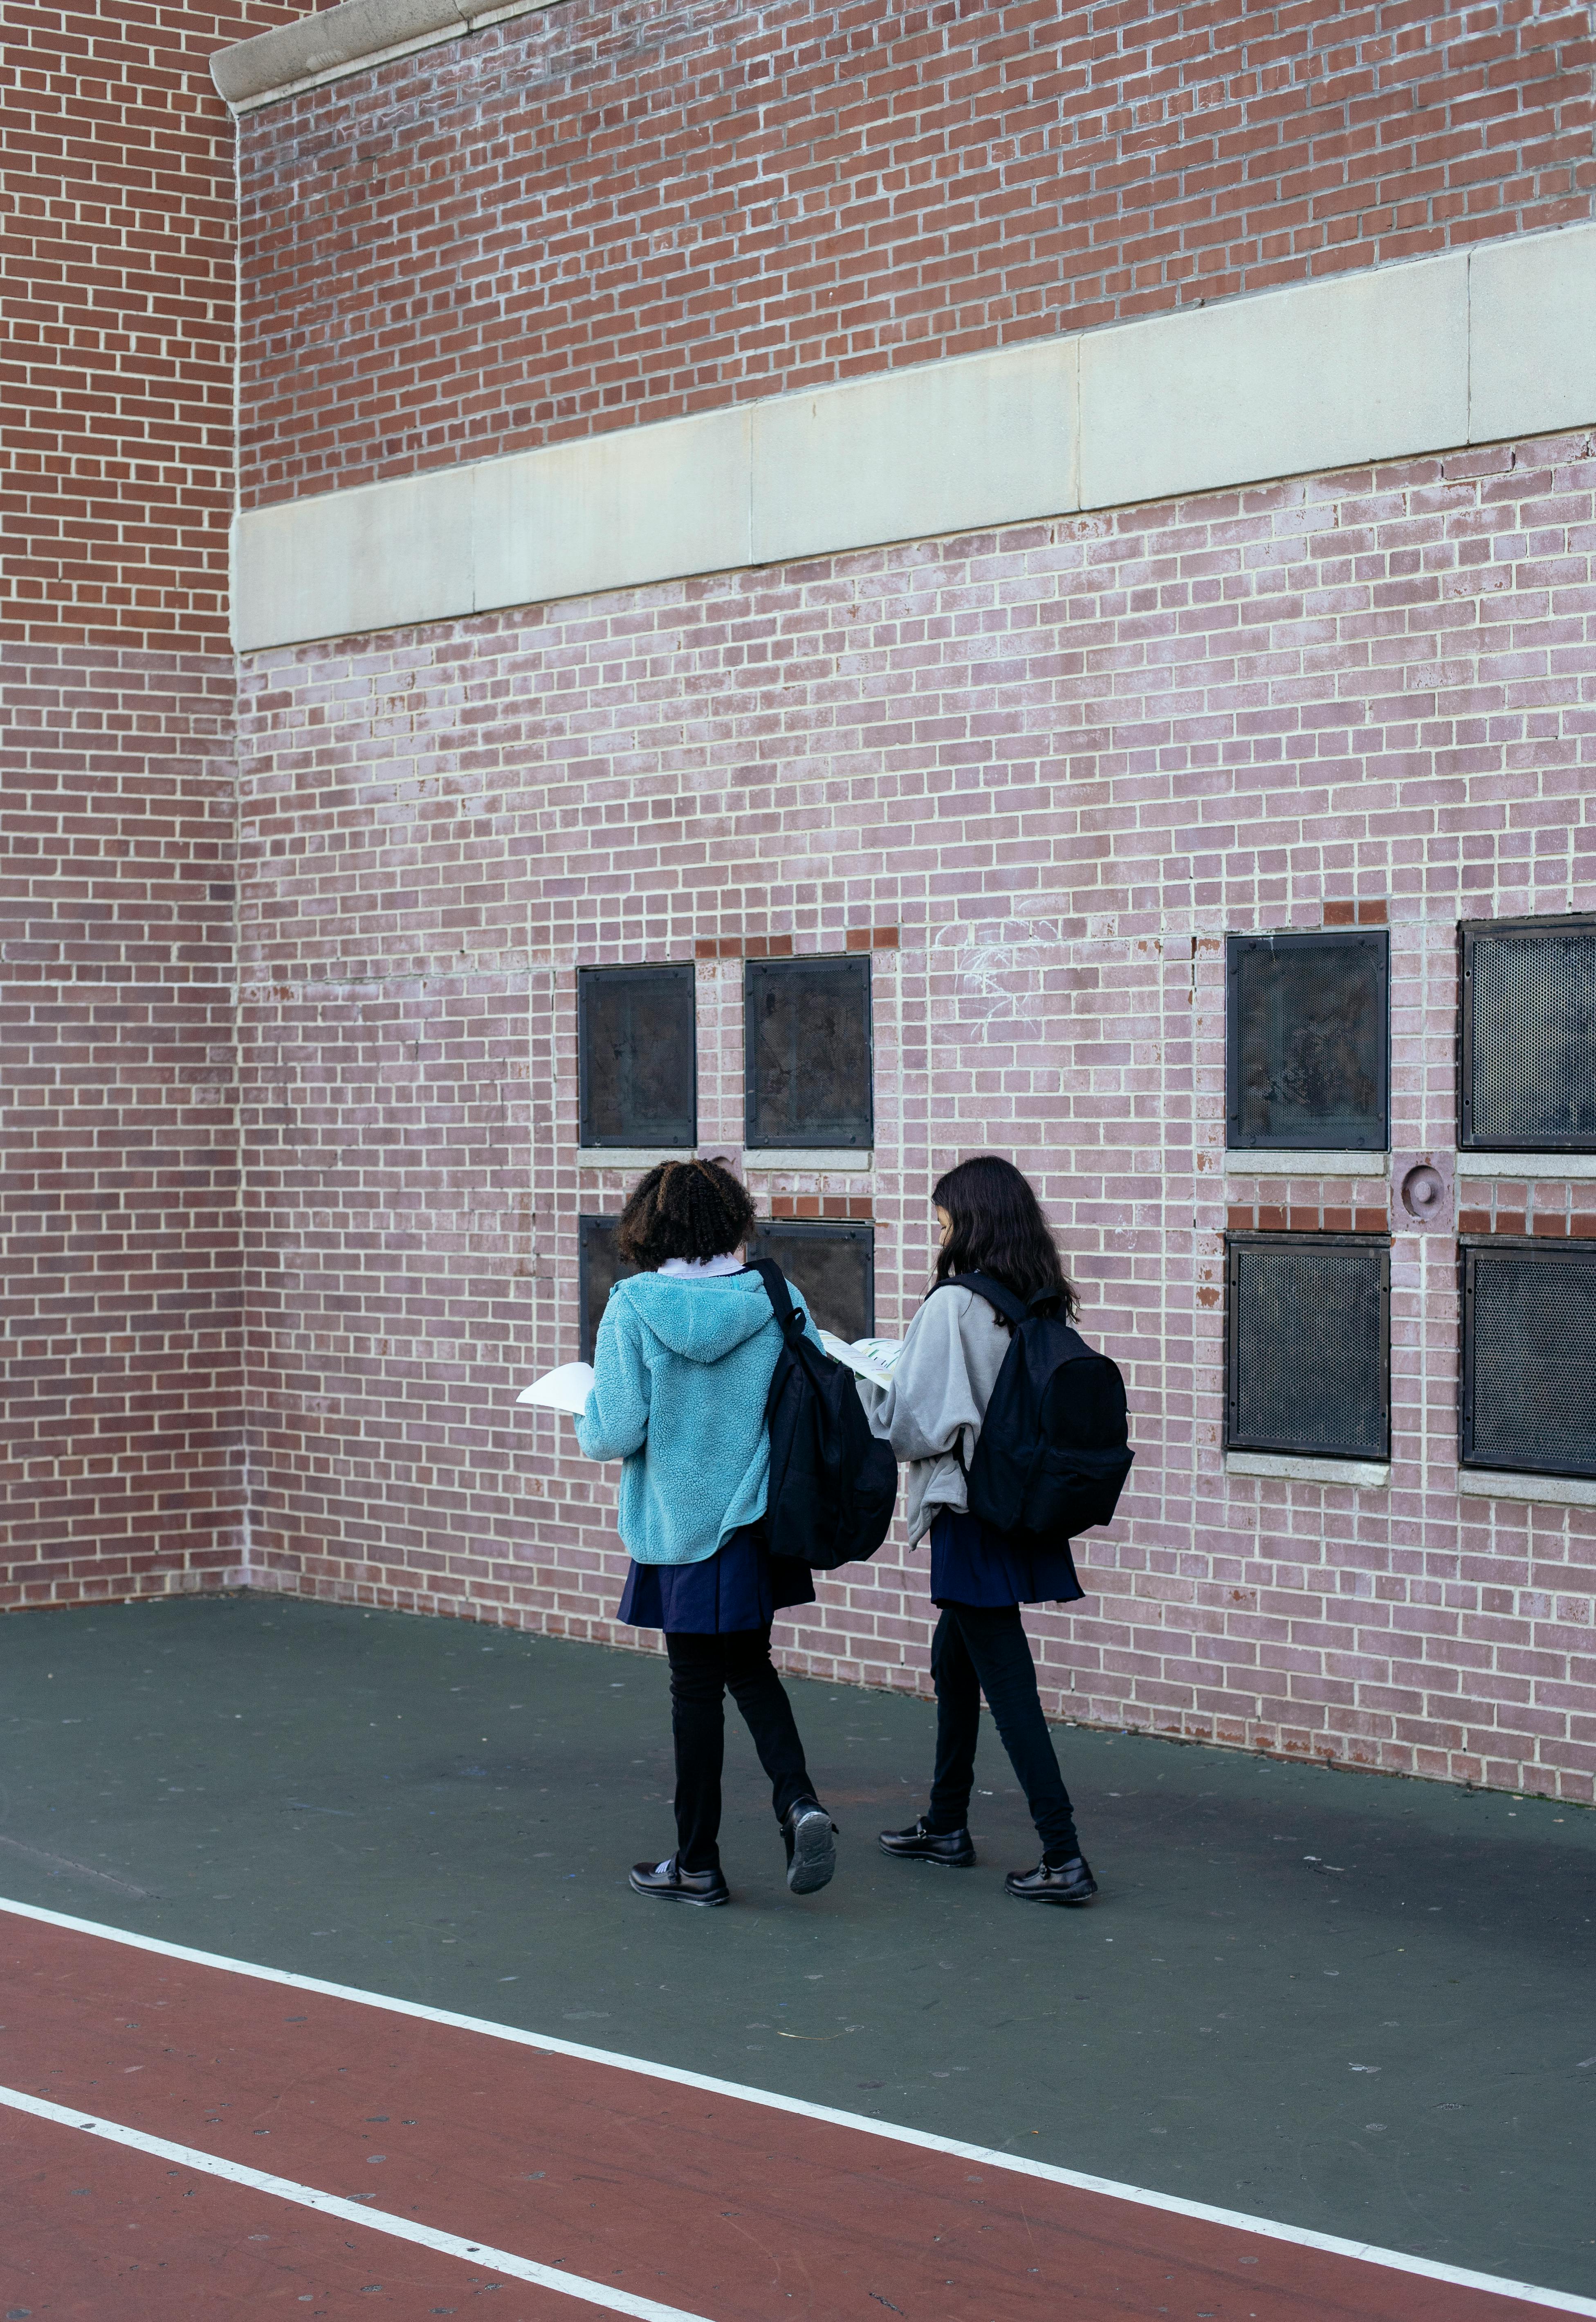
x=707 y=2201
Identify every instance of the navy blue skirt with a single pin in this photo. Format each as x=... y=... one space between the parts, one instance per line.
x=742 y=1587
x=973 y=1564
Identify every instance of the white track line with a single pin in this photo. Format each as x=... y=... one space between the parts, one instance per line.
x=1557 y=2301
x=353 y=2213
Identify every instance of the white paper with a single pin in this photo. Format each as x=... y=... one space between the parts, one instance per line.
x=868 y=1359
x=566 y=1389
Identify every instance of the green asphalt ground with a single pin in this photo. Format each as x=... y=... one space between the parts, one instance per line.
x=1363 y=2005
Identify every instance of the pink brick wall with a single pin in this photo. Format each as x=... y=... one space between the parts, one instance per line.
x=602 y=215
x=1060 y=761
x=119 y=1233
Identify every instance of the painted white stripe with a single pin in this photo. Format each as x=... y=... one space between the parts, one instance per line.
x=1267 y=2228
x=1380 y=363
x=352 y=2213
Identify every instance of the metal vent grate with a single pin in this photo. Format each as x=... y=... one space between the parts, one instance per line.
x=1306 y=1041
x=807 y=1036
x=1309 y=1345
x=1529 y=1385
x=1529 y=1036
x=834 y=1265
x=601 y=1267
x=636 y=1056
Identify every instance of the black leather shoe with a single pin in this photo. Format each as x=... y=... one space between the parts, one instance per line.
x=705 y=1887
x=955 y=1848
x=1071 y=1882
x=811 y=1836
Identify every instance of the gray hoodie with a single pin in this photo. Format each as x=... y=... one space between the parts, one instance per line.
x=931 y=1412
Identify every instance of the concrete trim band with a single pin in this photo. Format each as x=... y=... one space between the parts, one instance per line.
x=1392 y=362
x=349 y=38
x=1295 y=1468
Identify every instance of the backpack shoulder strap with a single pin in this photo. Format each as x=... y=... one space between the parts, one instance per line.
x=775 y=1290
x=1011 y=1308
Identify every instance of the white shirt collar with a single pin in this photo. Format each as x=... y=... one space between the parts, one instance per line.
x=701 y=1269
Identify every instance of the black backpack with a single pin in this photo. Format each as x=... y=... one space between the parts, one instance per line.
x=1052 y=1455
x=833 y=1484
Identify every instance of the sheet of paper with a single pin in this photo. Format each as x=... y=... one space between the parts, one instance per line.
x=565 y=1389
x=868 y=1359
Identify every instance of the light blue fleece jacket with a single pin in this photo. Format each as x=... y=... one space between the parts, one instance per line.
x=681 y=1371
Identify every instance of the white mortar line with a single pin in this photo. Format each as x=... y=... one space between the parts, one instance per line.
x=246 y=1525
x=1269 y=2229
x=349 y=2213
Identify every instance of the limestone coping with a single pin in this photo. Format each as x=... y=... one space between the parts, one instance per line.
x=345 y=38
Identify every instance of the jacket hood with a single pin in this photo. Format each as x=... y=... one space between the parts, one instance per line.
x=698 y=1320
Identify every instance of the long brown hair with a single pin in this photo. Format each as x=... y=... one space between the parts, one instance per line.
x=999 y=1228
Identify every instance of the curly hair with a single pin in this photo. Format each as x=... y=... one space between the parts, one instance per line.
x=684 y=1209
x=999 y=1228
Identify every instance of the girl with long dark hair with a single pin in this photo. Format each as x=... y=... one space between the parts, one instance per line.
x=932 y=1415
x=681 y=1368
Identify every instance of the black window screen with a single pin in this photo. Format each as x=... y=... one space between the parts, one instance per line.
x=807 y=1032
x=1306 y=1041
x=601 y=1267
x=1528 y=1078
x=1529 y=1382
x=1308 y=1351
x=833 y=1265
x=637 y=1056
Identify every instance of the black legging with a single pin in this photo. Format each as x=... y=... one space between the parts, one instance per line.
x=701 y=1669
x=983 y=1649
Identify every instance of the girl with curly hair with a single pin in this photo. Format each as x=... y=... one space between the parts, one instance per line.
x=683 y=1364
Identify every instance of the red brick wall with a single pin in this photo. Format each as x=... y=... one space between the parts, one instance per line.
x=1053 y=764
x=118 y=1202
x=117 y=1199
x=602 y=215
x=116 y=280
x=1544 y=1207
